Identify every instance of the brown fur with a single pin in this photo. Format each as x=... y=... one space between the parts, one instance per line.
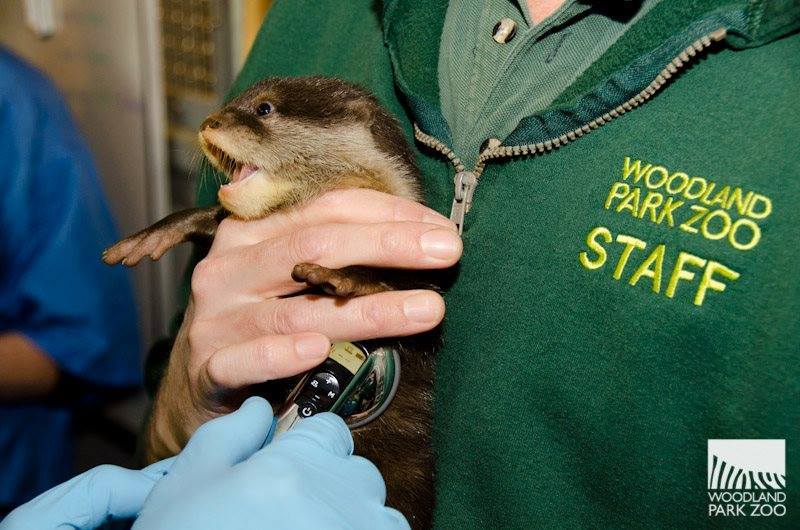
x=323 y=134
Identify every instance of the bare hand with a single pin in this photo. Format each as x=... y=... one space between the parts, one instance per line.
x=243 y=327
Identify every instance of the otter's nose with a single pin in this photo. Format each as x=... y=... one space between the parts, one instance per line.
x=210 y=123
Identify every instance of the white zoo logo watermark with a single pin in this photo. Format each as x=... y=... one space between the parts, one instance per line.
x=746 y=478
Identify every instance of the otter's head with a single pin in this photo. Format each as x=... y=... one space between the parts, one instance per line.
x=280 y=140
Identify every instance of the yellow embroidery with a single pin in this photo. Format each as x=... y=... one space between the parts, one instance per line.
x=760 y=199
x=679 y=272
x=683 y=178
x=618 y=191
x=726 y=225
x=685 y=268
x=708 y=282
x=687 y=226
x=651 y=202
x=591 y=242
x=714 y=211
x=696 y=205
x=655 y=259
x=754 y=238
x=630 y=243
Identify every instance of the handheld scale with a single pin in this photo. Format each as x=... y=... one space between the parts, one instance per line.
x=354 y=382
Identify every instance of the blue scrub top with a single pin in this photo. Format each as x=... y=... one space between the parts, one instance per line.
x=54 y=224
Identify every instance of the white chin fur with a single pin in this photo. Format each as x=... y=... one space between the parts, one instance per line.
x=253 y=196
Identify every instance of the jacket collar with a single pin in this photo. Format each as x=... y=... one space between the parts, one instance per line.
x=412 y=32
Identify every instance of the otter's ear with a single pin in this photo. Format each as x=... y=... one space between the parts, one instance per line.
x=362 y=110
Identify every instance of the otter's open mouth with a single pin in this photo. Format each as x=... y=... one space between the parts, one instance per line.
x=235 y=170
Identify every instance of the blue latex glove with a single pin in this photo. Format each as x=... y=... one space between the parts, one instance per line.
x=88 y=500
x=306 y=478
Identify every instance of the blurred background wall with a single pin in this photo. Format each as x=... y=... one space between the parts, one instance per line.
x=139 y=76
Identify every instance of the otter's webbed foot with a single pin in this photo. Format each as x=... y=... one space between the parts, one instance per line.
x=194 y=224
x=346 y=282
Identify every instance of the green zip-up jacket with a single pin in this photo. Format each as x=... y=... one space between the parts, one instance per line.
x=629 y=287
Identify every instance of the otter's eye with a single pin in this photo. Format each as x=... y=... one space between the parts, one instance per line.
x=264 y=108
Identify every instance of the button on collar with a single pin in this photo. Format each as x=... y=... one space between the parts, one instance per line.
x=504 y=30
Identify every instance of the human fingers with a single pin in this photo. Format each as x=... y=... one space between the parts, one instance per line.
x=261 y=359
x=325 y=431
x=281 y=338
x=85 y=501
x=225 y=441
x=265 y=268
x=353 y=206
x=156 y=470
x=387 y=314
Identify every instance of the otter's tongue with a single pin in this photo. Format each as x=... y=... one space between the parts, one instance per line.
x=243 y=172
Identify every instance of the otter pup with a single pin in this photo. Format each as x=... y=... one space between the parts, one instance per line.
x=283 y=142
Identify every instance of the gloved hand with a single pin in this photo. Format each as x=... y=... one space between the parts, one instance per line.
x=88 y=500
x=307 y=478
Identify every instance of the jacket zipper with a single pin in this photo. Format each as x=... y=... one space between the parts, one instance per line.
x=465 y=181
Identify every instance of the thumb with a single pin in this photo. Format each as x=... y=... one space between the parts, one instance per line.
x=227 y=440
x=325 y=431
x=86 y=501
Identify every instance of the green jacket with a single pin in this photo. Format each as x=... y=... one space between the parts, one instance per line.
x=629 y=287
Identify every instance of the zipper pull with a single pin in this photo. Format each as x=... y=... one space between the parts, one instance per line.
x=465 y=183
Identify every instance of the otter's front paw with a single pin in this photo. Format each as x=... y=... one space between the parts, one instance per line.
x=195 y=224
x=344 y=283
x=148 y=242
